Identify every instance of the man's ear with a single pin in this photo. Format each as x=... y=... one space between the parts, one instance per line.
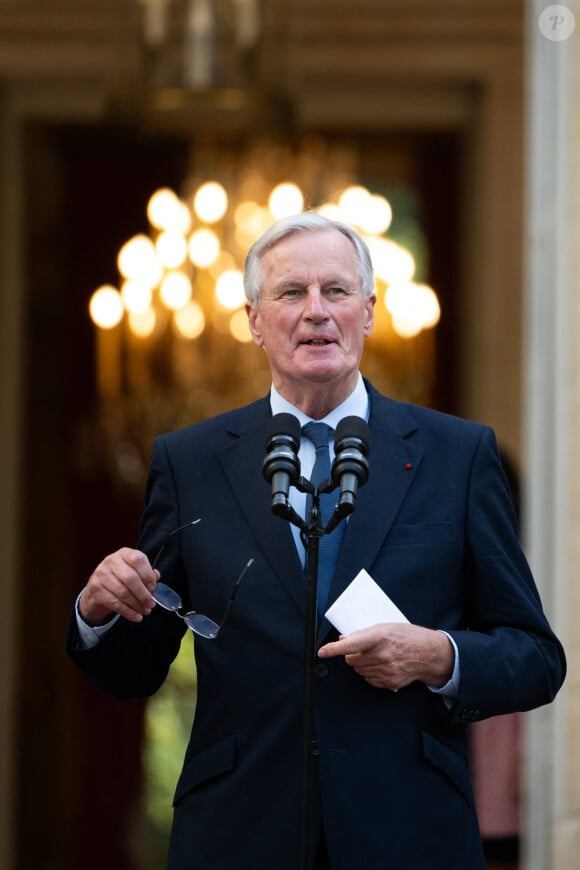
x=369 y=314
x=254 y=324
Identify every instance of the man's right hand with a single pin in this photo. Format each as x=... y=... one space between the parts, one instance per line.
x=121 y=584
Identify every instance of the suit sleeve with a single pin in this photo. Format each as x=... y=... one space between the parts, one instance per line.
x=510 y=658
x=133 y=659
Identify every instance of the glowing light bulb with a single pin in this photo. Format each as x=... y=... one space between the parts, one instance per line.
x=138 y=260
x=391 y=262
x=353 y=203
x=413 y=307
x=175 y=290
x=203 y=248
x=210 y=202
x=377 y=215
x=167 y=212
x=229 y=289
x=106 y=307
x=395 y=297
x=136 y=297
x=285 y=199
x=430 y=308
x=171 y=248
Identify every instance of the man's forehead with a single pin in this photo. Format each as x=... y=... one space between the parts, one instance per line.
x=299 y=235
x=331 y=244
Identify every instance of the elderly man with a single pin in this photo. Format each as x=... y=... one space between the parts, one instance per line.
x=433 y=526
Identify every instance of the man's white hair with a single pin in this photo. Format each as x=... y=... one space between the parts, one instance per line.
x=309 y=221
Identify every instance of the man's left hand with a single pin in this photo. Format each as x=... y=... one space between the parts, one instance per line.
x=393 y=655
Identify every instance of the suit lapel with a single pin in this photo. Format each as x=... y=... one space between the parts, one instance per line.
x=393 y=462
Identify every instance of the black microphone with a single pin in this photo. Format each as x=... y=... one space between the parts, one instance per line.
x=350 y=468
x=281 y=466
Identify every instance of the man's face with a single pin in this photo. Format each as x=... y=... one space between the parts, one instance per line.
x=312 y=319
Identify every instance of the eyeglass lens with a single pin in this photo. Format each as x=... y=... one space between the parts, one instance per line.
x=202 y=625
x=170 y=600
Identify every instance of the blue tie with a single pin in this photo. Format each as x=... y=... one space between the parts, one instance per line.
x=329 y=547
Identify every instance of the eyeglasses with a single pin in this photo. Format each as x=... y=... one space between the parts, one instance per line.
x=169 y=599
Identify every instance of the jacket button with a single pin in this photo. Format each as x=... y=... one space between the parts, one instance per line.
x=471 y=714
x=320 y=669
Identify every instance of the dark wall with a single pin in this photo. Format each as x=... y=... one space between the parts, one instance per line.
x=79 y=750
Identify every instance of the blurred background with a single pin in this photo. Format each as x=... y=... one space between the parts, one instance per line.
x=143 y=145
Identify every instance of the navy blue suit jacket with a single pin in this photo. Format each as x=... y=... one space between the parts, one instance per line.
x=434 y=526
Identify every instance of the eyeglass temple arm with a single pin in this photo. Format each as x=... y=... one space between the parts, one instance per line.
x=235 y=589
x=170 y=535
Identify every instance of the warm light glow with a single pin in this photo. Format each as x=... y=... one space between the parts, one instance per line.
x=143 y=323
x=239 y=326
x=246 y=216
x=406 y=328
x=189 y=321
x=106 y=307
x=210 y=202
x=136 y=297
x=251 y=221
x=413 y=307
x=175 y=290
x=377 y=216
x=331 y=211
x=396 y=296
x=171 y=248
x=391 y=262
x=431 y=310
x=286 y=199
x=167 y=212
x=229 y=289
x=353 y=203
x=138 y=260
x=203 y=248
x=370 y=212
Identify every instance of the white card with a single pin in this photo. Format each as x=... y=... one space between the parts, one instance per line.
x=362 y=604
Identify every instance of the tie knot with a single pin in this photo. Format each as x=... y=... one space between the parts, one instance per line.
x=318 y=433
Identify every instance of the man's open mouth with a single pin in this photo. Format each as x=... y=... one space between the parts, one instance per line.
x=317 y=342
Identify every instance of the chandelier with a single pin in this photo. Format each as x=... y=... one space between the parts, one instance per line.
x=172 y=339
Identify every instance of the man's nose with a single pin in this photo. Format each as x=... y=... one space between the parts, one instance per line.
x=315 y=307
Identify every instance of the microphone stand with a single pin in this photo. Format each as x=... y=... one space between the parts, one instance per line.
x=311 y=533
x=281 y=469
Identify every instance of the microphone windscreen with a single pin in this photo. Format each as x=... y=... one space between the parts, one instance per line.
x=284 y=424
x=352 y=427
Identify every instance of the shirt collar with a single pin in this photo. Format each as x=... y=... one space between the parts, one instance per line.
x=355 y=405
